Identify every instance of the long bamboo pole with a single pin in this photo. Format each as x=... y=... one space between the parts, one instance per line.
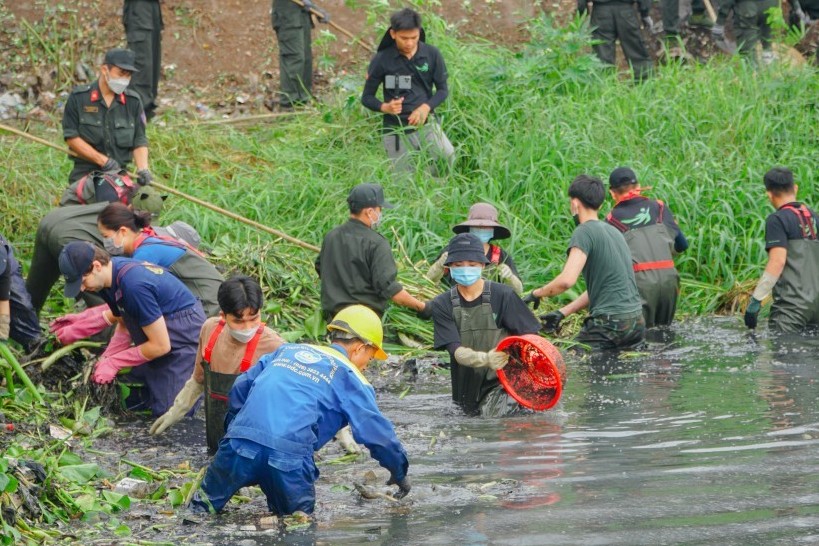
x=192 y=199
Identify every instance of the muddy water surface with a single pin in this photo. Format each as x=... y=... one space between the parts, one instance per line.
x=710 y=437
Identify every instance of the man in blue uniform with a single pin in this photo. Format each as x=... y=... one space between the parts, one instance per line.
x=409 y=69
x=104 y=123
x=292 y=403
x=150 y=307
x=792 y=272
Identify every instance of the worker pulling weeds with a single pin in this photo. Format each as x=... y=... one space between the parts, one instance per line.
x=292 y=403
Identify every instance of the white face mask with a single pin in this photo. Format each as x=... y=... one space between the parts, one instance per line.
x=117 y=85
x=242 y=336
x=377 y=222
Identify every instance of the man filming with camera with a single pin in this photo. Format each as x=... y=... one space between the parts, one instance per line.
x=409 y=70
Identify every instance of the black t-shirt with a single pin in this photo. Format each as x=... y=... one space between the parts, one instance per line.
x=783 y=225
x=511 y=314
x=426 y=71
x=641 y=211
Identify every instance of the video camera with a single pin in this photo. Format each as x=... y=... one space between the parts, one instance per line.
x=397 y=82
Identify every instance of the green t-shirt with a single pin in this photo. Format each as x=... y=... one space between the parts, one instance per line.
x=608 y=271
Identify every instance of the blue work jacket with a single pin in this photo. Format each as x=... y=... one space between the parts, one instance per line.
x=296 y=399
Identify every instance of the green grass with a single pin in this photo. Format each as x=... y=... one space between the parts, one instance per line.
x=524 y=124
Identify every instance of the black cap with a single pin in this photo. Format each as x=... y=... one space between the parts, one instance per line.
x=465 y=247
x=621 y=176
x=75 y=260
x=367 y=195
x=123 y=58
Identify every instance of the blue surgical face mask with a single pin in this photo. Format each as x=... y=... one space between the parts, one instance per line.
x=467 y=275
x=484 y=234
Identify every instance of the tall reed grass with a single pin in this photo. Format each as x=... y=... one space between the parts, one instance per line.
x=524 y=124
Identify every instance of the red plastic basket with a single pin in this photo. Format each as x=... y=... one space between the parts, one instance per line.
x=535 y=373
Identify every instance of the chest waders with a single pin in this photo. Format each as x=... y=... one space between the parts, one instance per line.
x=218 y=385
x=475 y=388
x=796 y=293
x=657 y=279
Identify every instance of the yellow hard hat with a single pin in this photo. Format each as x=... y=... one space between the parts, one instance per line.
x=363 y=323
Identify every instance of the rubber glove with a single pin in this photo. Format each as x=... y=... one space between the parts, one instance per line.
x=752 y=313
x=320 y=14
x=108 y=367
x=144 y=177
x=550 y=322
x=531 y=298
x=404 y=486
x=182 y=404
x=5 y=327
x=508 y=277
x=718 y=32
x=436 y=270
x=479 y=359
x=648 y=23
x=345 y=439
x=71 y=328
x=111 y=166
x=120 y=341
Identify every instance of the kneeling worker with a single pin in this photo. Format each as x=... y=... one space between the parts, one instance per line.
x=289 y=405
x=470 y=319
x=162 y=317
x=599 y=251
x=228 y=345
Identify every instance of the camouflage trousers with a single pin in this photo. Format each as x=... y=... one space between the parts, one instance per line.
x=606 y=332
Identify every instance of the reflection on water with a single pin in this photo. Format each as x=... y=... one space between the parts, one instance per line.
x=711 y=436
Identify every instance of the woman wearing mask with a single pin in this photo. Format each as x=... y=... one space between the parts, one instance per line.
x=483 y=223
x=228 y=345
x=128 y=233
x=469 y=321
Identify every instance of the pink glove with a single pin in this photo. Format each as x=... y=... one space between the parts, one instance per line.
x=120 y=341
x=108 y=366
x=71 y=328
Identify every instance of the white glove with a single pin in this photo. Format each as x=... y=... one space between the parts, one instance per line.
x=478 y=359
x=184 y=401
x=5 y=327
x=648 y=23
x=508 y=277
x=436 y=270
x=344 y=437
x=718 y=32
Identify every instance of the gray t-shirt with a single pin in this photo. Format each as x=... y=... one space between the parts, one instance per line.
x=608 y=271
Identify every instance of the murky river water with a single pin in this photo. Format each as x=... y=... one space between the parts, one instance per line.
x=711 y=437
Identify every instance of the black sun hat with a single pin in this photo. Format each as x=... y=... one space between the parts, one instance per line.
x=465 y=247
